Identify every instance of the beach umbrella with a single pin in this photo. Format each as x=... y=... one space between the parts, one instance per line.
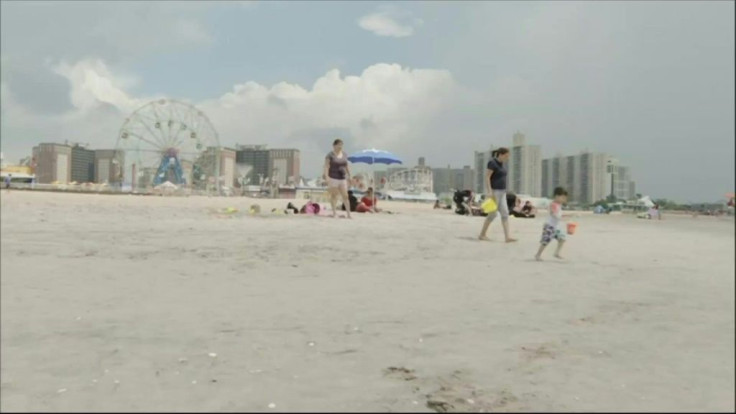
x=372 y=157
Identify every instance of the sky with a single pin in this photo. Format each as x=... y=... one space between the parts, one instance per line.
x=651 y=83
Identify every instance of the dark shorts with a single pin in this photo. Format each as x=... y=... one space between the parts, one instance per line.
x=549 y=233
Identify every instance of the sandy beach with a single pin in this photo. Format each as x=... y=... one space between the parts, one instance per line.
x=130 y=303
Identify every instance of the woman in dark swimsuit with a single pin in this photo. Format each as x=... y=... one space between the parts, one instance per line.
x=337 y=175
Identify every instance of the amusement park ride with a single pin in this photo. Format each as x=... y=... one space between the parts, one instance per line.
x=168 y=141
x=170 y=169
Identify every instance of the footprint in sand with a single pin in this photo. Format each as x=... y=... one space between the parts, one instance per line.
x=400 y=373
x=531 y=353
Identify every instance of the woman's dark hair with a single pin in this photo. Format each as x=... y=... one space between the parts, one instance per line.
x=500 y=151
x=559 y=191
x=337 y=141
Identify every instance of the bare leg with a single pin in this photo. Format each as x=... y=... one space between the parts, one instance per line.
x=345 y=200
x=560 y=243
x=484 y=231
x=539 y=252
x=506 y=231
x=333 y=201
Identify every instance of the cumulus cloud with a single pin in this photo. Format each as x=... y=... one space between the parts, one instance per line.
x=390 y=22
x=386 y=106
x=93 y=85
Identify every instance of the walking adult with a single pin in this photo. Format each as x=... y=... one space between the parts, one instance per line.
x=337 y=175
x=496 y=187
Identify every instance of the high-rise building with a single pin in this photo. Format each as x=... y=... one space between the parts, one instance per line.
x=620 y=184
x=285 y=166
x=480 y=164
x=448 y=179
x=109 y=166
x=554 y=174
x=525 y=167
x=53 y=163
x=257 y=158
x=584 y=176
x=282 y=165
x=83 y=164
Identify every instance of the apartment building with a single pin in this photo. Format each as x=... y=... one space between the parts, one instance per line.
x=53 y=163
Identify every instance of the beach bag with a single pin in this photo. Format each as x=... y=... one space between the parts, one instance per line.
x=489 y=206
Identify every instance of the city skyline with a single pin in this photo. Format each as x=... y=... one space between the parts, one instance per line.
x=438 y=80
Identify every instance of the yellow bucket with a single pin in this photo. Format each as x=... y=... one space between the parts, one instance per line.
x=489 y=206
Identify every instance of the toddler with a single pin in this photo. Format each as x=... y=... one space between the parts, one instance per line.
x=551 y=228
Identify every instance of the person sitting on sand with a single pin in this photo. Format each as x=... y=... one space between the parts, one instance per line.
x=368 y=203
x=523 y=211
x=529 y=209
x=462 y=199
x=353 y=201
x=515 y=207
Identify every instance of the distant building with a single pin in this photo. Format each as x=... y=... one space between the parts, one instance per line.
x=480 y=163
x=382 y=176
x=109 y=166
x=227 y=166
x=585 y=176
x=285 y=166
x=525 y=167
x=212 y=163
x=620 y=184
x=255 y=157
x=83 y=165
x=421 y=176
x=53 y=163
x=446 y=179
x=282 y=165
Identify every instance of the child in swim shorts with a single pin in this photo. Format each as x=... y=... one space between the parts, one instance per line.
x=551 y=229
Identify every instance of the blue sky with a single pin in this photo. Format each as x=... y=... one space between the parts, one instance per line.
x=652 y=83
x=294 y=42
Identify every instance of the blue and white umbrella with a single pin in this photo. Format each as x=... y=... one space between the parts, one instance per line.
x=374 y=156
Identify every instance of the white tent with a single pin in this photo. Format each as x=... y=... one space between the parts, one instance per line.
x=646 y=201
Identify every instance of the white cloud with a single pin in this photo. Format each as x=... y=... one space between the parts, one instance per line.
x=390 y=22
x=386 y=106
x=92 y=84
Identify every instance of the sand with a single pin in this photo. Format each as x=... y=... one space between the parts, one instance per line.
x=129 y=303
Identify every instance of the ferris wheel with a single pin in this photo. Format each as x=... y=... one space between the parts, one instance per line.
x=168 y=140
